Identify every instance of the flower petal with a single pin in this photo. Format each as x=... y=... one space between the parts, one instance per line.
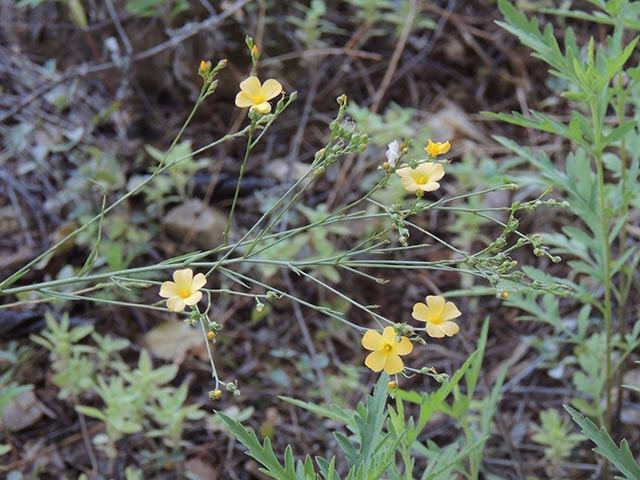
x=183 y=278
x=449 y=328
x=393 y=364
x=424 y=169
x=437 y=148
x=420 y=312
x=198 y=282
x=372 y=340
x=192 y=299
x=404 y=171
x=436 y=304
x=437 y=172
x=243 y=100
x=376 y=360
x=271 y=88
x=251 y=86
x=393 y=153
x=176 y=304
x=429 y=187
x=404 y=346
x=450 y=311
x=409 y=184
x=168 y=289
x=434 y=330
x=389 y=335
x=264 y=107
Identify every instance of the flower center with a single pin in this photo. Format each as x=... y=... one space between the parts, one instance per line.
x=435 y=319
x=422 y=179
x=387 y=348
x=184 y=293
x=258 y=98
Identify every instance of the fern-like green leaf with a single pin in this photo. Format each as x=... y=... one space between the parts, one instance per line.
x=262 y=453
x=370 y=421
x=621 y=457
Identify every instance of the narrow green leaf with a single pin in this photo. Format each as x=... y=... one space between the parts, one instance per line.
x=473 y=372
x=91 y=412
x=77 y=13
x=327 y=468
x=308 y=471
x=334 y=412
x=619 y=132
x=345 y=444
x=442 y=467
x=9 y=391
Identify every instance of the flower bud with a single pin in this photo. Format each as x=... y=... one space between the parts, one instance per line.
x=204 y=69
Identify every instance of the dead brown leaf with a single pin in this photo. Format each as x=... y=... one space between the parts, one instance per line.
x=174 y=341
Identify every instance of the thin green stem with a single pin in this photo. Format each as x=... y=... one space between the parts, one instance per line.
x=214 y=372
x=377 y=317
x=281 y=293
x=606 y=258
x=243 y=166
x=626 y=275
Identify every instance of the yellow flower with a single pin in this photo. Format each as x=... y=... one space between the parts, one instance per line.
x=439 y=148
x=424 y=177
x=438 y=316
x=184 y=290
x=386 y=350
x=256 y=95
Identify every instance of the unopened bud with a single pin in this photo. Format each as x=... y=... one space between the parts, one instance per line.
x=204 y=68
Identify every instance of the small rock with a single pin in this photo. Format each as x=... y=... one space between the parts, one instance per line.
x=21 y=412
x=196 y=223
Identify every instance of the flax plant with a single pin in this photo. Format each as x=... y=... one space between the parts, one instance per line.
x=236 y=262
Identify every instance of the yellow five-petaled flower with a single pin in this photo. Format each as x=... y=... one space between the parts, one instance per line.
x=438 y=315
x=386 y=350
x=438 y=148
x=184 y=290
x=256 y=95
x=424 y=177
